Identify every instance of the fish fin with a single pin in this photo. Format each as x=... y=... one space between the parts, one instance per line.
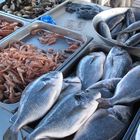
x=14 y=117
x=10 y=135
x=103 y=103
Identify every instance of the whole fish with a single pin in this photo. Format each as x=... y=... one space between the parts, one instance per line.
x=37 y=98
x=71 y=85
x=134 y=40
x=130 y=17
x=132 y=27
x=117 y=63
x=116 y=30
x=127 y=91
x=104 y=30
x=114 y=21
x=105 y=124
x=105 y=87
x=90 y=69
x=66 y=117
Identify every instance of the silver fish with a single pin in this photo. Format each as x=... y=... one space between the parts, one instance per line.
x=90 y=69
x=117 y=63
x=105 y=124
x=66 y=117
x=37 y=98
x=131 y=28
x=127 y=91
x=105 y=87
x=104 y=30
x=134 y=40
x=71 y=85
x=137 y=137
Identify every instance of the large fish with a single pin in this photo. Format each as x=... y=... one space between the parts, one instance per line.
x=90 y=68
x=66 y=117
x=117 y=63
x=105 y=87
x=127 y=91
x=38 y=97
x=105 y=124
x=104 y=30
x=71 y=85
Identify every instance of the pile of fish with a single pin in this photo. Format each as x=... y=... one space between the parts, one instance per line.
x=123 y=27
x=86 y=12
x=29 y=9
x=99 y=98
x=7 y=27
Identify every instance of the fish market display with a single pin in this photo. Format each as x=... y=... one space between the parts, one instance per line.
x=123 y=27
x=37 y=98
x=20 y=64
x=105 y=87
x=107 y=124
x=127 y=91
x=90 y=68
x=26 y=8
x=82 y=11
x=117 y=64
x=66 y=117
x=7 y=27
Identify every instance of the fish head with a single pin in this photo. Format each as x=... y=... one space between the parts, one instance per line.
x=45 y=81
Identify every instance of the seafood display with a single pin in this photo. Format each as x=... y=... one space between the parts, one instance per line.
x=28 y=9
x=37 y=98
x=8 y=27
x=22 y=63
x=82 y=11
x=83 y=104
x=66 y=117
x=123 y=28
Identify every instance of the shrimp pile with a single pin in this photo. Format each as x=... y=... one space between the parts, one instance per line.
x=20 y=64
x=7 y=27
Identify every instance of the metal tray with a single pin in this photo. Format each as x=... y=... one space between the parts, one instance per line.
x=131 y=132
x=70 y=21
x=70 y=69
x=18 y=17
x=24 y=35
x=105 y=15
x=12 y=19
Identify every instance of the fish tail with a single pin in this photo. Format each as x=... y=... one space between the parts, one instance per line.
x=104 y=103
x=10 y=135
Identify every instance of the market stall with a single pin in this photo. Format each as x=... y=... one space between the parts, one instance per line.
x=69 y=70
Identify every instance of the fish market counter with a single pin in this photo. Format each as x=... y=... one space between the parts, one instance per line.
x=59 y=78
